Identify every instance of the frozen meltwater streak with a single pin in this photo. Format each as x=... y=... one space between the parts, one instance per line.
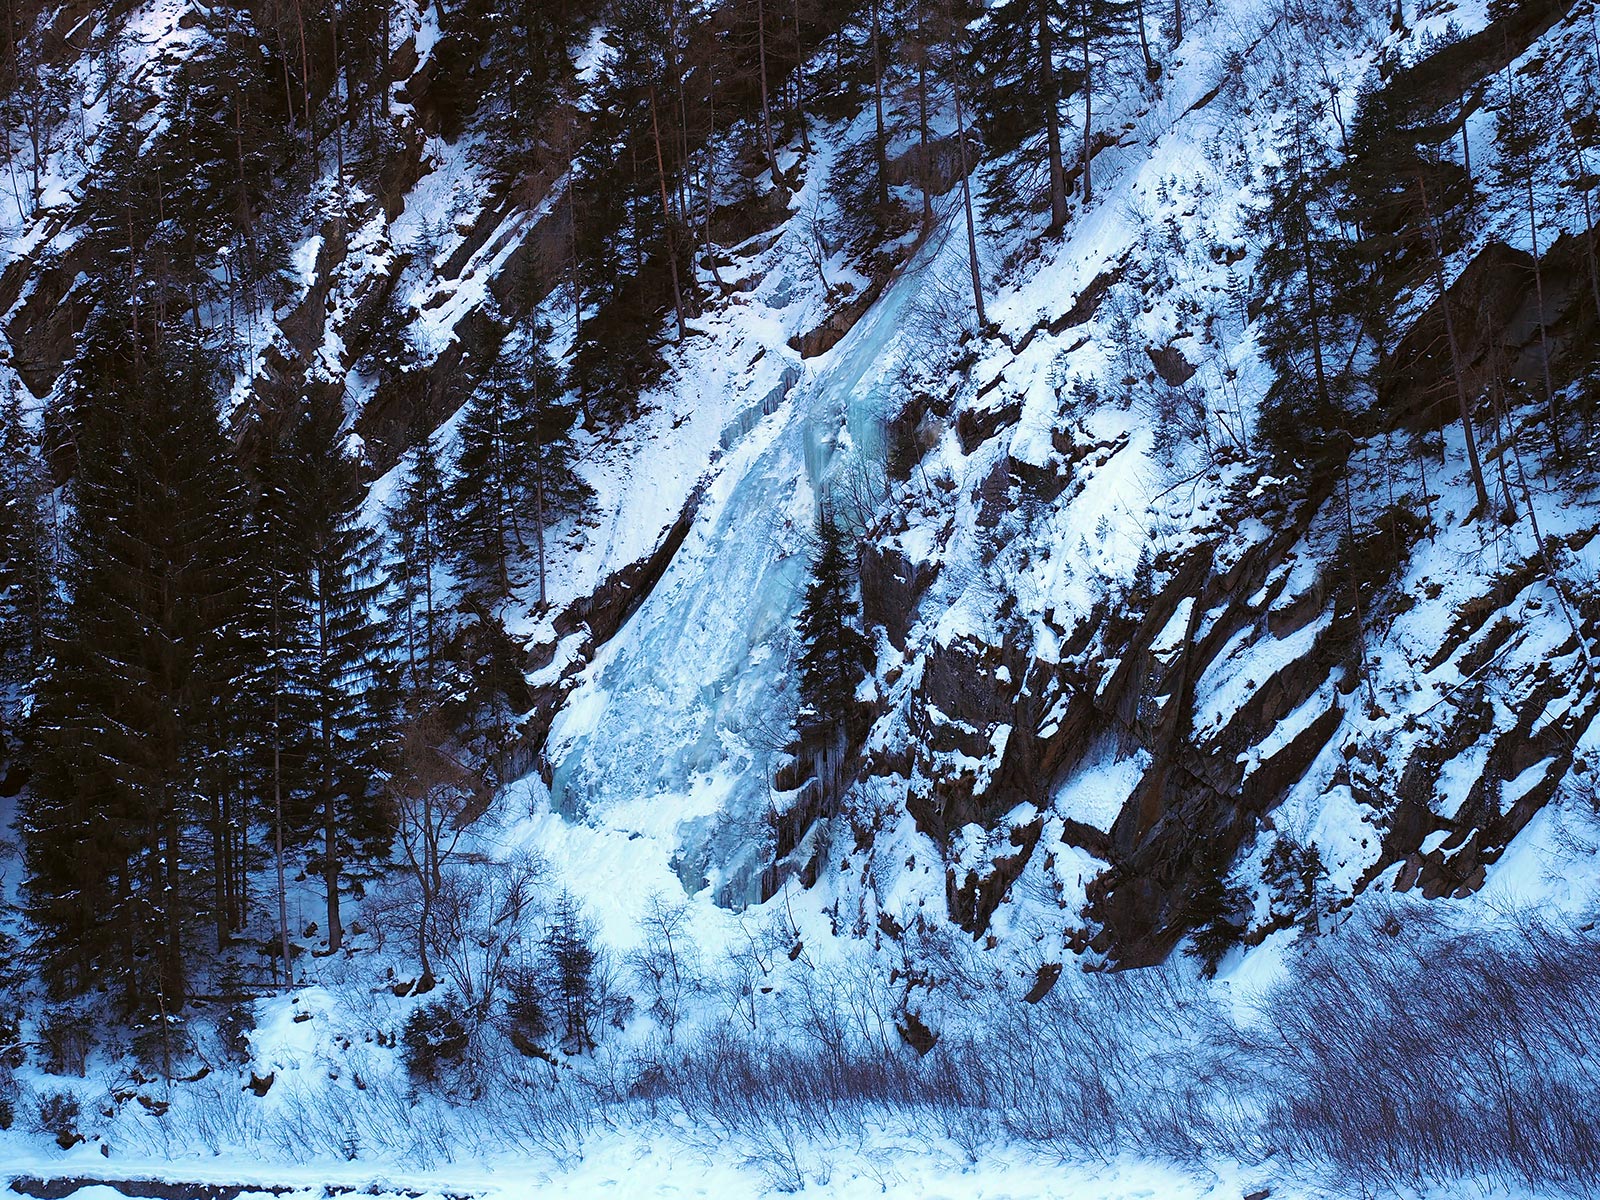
x=674 y=729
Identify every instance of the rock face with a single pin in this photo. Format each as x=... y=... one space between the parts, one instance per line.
x=1120 y=655
x=1237 y=680
x=994 y=727
x=1341 y=662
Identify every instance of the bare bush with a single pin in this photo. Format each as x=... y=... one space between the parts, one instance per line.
x=482 y=916
x=1397 y=1057
x=432 y=797
x=1398 y=1052
x=1392 y=1054
x=667 y=966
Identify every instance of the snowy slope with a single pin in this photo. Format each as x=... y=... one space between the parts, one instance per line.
x=1112 y=656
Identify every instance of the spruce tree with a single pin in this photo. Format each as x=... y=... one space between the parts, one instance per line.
x=27 y=566
x=1016 y=50
x=1410 y=204
x=514 y=473
x=529 y=56
x=1217 y=915
x=344 y=701
x=483 y=487
x=1304 y=328
x=1095 y=31
x=416 y=555
x=632 y=251
x=271 y=688
x=139 y=660
x=574 y=969
x=833 y=657
x=1525 y=135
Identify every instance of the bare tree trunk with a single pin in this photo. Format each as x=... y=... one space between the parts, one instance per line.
x=1582 y=174
x=1465 y=408
x=340 y=99
x=538 y=504
x=432 y=881
x=800 y=82
x=277 y=799
x=330 y=869
x=880 y=140
x=305 y=71
x=538 y=488
x=1355 y=593
x=766 y=106
x=330 y=817
x=1584 y=650
x=221 y=901
x=1088 y=114
x=666 y=220
x=966 y=198
x=711 y=182
x=572 y=229
x=1151 y=71
x=1308 y=264
x=388 y=64
x=1052 y=119
x=1552 y=406
x=925 y=164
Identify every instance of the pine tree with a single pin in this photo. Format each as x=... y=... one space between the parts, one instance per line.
x=27 y=556
x=416 y=556
x=515 y=458
x=1304 y=329
x=345 y=700
x=574 y=963
x=543 y=456
x=529 y=54
x=139 y=661
x=1016 y=49
x=1216 y=916
x=223 y=724
x=1410 y=204
x=270 y=686
x=1525 y=135
x=633 y=248
x=483 y=487
x=1032 y=55
x=834 y=654
x=1096 y=29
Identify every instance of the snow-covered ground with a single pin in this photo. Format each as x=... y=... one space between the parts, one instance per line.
x=650 y=1169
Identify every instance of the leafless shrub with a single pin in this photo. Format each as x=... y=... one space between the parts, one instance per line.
x=667 y=966
x=1410 y=1055
x=857 y=488
x=482 y=916
x=1396 y=1057
x=223 y=1115
x=1399 y=1051
x=433 y=799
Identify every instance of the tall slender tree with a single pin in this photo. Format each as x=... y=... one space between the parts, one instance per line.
x=515 y=458
x=1525 y=137
x=1303 y=326
x=417 y=523
x=345 y=695
x=833 y=652
x=27 y=553
x=139 y=659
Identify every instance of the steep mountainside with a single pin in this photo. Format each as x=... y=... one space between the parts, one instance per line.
x=495 y=495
